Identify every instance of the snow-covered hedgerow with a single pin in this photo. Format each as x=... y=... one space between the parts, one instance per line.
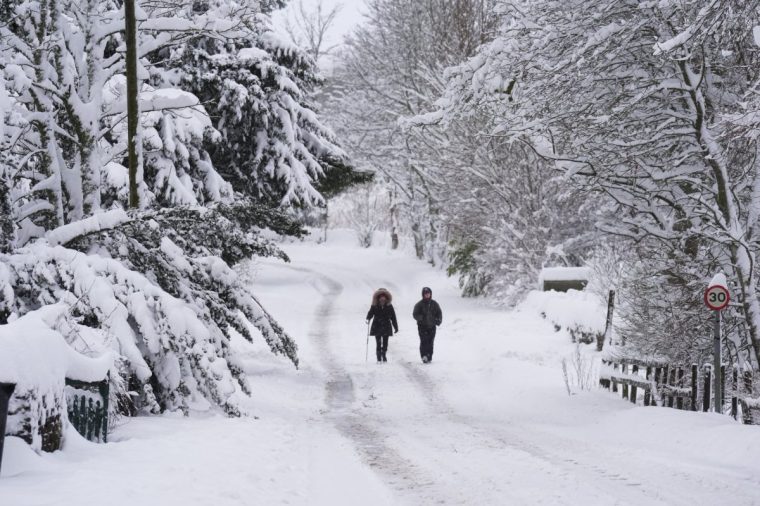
x=580 y=313
x=167 y=304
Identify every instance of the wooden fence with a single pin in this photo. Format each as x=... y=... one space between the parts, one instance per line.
x=681 y=387
x=87 y=407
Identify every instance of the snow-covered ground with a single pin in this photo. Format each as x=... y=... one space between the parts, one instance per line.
x=488 y=422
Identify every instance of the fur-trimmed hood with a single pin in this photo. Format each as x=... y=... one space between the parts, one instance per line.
x=378 y=293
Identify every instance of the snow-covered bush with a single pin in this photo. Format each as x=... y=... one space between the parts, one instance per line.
x=578 y=371
x=159 y=285
x=364 y=209
x=37 y=359
x=579 y=313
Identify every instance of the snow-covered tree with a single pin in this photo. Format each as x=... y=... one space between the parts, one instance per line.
x=392 y=68
x=640 y=103
x=481 y=204
x=154 y=285
x=255 y=87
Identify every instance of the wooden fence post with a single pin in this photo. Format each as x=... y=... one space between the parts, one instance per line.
x=657 y=380
x=746 y=413
x=734 y=392
x=672 y=383
x=693 y=387
x=722 y=387
x=625 y=385
x=635 y=371
x=6 y=391
x=648 y=391
x=614 y=382
x=679 y=398
x=604 y=382
x=706 y=390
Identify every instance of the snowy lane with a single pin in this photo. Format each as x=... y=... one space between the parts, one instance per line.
x=488 y=422
x=398 y=472
x=432 y=438
x=425 y=473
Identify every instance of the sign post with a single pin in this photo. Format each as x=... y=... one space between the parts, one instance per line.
x=717 y=298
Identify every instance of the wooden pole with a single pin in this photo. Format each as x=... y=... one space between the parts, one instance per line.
x=6 y=391
x=648 y=392
x=130 y=26
x=693 y=387
x=657 y=379
x=746 y=414
x=722 y=387
x=604 y=382
x=672 y=383
x=706 y=391
x=679 y=398
x=634 y=388
x=734 y=400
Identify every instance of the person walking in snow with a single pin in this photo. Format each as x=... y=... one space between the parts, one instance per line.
x=428 y=314
x=384 y=322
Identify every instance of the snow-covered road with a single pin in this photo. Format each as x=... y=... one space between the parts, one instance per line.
x=488 y=422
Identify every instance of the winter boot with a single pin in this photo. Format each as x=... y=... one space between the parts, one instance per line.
x=425 y=360
x=385 y=359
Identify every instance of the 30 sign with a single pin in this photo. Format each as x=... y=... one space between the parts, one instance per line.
x=717 y=297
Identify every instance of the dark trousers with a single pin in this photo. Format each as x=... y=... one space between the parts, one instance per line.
x=382 y=347
x=427 y=337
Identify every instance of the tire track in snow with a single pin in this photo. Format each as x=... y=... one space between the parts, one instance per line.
x=396 y=471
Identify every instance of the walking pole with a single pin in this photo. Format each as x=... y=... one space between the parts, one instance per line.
x=366 y=353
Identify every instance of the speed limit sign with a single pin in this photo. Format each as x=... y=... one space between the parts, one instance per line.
x=716 y=297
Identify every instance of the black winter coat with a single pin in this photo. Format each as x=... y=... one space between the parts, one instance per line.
x=427 y=313
x=383 y=320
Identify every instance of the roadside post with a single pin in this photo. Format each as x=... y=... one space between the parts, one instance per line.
x=716 y=299
x=6 y=390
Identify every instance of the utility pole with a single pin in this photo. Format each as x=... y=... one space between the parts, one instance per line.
x=130 y=27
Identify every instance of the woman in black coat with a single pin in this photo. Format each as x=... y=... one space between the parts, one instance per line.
x=384 y=322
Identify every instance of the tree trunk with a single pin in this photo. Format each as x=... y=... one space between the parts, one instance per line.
x=750 y=302
x=394 y=218
x=600 y=339
x=133 y=115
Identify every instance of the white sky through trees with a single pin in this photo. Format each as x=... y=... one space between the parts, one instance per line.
x=350 y=15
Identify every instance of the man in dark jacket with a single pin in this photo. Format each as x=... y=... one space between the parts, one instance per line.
x=428 y=314
x=384 y=322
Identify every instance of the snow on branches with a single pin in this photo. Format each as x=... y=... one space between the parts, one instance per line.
x=650 y=105
x=156 y=284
